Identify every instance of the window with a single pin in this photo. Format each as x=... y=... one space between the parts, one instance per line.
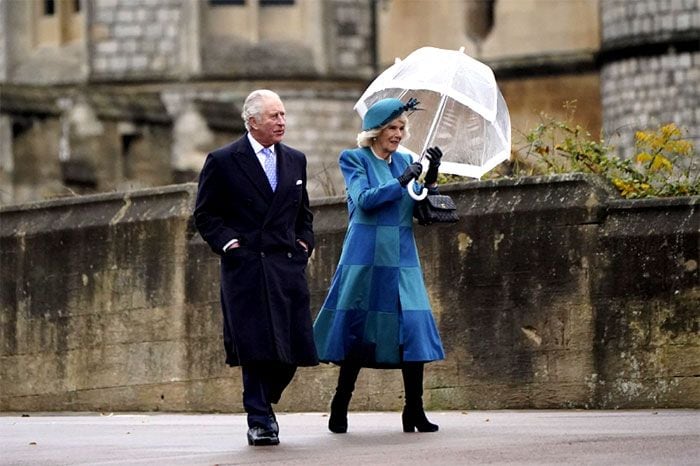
x=276 y=2
x=57 y=22
x=49 y=7
x=226 y=2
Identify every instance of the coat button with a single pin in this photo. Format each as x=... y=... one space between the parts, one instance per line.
x=262 y=254
x=289 y=254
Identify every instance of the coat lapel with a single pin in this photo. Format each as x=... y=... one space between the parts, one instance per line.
x=244 y=161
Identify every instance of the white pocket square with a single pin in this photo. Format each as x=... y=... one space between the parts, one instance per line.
x=298 y=182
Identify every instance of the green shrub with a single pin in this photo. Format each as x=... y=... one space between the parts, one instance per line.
x=665 y=163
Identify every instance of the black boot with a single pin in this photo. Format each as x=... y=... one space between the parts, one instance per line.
x=338 y=420
x=413 y=416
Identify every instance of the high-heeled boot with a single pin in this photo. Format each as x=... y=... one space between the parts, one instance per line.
x=338 y=420
x=413 y=417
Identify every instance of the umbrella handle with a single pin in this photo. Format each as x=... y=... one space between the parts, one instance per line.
x=417 y=196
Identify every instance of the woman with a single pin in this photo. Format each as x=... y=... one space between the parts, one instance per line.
x=377 y=312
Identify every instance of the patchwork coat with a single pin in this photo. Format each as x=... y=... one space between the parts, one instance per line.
x=377 y=312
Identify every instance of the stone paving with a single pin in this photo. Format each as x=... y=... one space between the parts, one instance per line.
x=669 y=437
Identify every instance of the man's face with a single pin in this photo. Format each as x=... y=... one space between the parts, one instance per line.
x=270 y=126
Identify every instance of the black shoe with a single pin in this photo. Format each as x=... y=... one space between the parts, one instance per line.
x=274 y=426
x=338 y=420
x=415 y=419
x=259 y=436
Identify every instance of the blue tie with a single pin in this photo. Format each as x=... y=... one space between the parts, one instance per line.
x=269 y=166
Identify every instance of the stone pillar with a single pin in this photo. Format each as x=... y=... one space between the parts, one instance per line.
x=7 y=163
x=192 y=139
x=3 y=41
x=190 y=39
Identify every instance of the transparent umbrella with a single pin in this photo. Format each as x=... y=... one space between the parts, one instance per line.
x=463 y=111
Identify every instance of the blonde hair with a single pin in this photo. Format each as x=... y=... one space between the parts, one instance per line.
x=365 y=138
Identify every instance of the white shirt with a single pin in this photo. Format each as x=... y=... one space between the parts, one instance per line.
x=257 y=148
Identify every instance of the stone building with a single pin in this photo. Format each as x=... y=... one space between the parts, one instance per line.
x=102 y=95
x=650 y=66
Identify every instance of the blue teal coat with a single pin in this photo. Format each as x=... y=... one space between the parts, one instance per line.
x=377 y=312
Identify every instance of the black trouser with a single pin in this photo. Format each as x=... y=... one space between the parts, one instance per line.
x=263 y=385
x=412 y=373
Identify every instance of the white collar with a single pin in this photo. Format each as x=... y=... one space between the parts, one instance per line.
x=257 y=147
x=387 y=160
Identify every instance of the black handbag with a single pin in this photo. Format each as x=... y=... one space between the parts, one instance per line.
x=436 y=208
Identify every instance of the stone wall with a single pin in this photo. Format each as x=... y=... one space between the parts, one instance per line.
x=647 y=303
x=67 y=140
x=117 y=138
x=633 y=23
x=644 y=92
x=321 y=124
x=650 y=72
x=135 y=39
x=549 y=293
x=166 y=39
x=350 y=38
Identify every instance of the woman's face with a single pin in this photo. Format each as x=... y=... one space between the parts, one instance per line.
x=389 y=139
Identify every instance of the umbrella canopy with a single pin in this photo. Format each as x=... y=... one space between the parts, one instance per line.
x=463 y=112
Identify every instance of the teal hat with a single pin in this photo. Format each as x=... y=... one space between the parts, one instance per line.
x=384 y=111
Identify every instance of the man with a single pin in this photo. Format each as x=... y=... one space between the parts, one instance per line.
x=253 y=210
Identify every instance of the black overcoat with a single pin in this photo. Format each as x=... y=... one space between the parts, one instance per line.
x=264 y=293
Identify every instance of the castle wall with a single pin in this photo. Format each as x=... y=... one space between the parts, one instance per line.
x=137 y=39
x=650 y=72
x=116 y=139
x=184 y=66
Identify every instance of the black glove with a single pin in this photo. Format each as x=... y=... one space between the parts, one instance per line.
x=412 y=171
x=434 y=155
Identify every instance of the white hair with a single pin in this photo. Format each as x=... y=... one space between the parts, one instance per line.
x=253 y=105
x=365 y=138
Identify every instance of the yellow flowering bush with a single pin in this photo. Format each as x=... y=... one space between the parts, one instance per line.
x=665 y=164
